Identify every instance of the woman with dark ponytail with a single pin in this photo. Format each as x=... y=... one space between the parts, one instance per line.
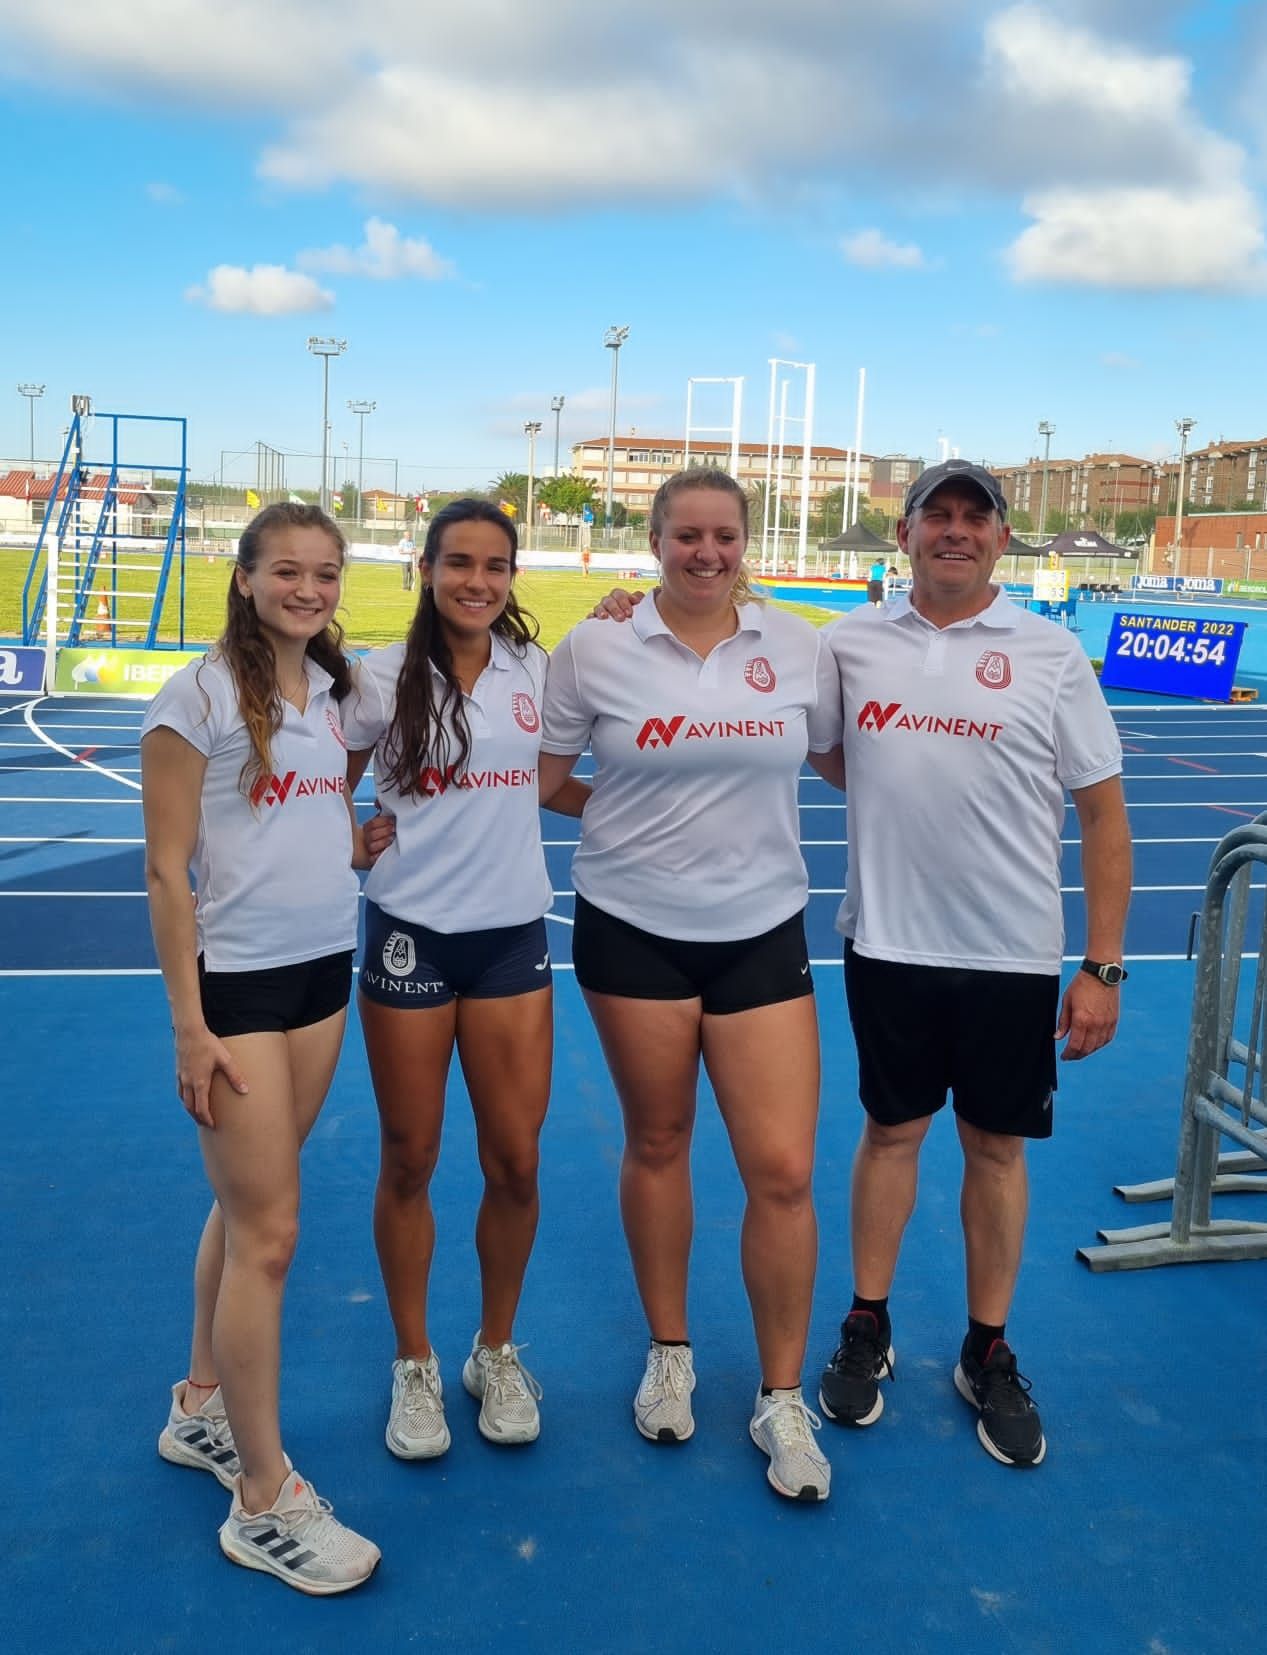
x=456 y=952
x=243 y=778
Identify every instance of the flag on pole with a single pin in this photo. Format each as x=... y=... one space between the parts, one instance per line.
x=382 y=505
x=509 y=507
x=252 y=499
x=336 y=500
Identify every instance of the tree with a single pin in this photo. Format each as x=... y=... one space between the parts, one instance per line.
x=567 y=495
x=512 y=488
x=351 y=502
x=1021 y=520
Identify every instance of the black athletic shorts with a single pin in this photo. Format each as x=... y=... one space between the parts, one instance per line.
x=410 y=966
x=613 y=957
x=875 y=591
x=986 y=1037
x=278 y=998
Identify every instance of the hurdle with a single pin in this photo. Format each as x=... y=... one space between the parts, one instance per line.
x=1216 y=1104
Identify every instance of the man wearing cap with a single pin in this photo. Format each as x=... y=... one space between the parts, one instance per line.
x=966 y=720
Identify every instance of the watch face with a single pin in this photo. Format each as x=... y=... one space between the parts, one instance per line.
x=1111 y=974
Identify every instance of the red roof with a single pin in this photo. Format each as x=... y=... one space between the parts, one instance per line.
x=25 y=485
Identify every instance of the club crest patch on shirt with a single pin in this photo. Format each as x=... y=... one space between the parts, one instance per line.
x=759 y=675
x=994 y=670
x=525 y=710
x=336 y=729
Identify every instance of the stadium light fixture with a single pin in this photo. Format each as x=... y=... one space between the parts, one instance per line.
x=531 y=428
x=613 y=339
x=360 y=409
x=556 y=408
x=325 y=349
x=1046 y=430
x=1183 y=427
x=31 y=392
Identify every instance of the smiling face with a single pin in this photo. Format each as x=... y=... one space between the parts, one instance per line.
x=469 y=577
x=953 y=541
x=295 y=583
x=700 y=546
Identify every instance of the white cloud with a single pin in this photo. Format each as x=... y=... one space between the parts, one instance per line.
x=164 y=195
x=384 y=255
x=1119 y=360
x=873 y=250
x=263 y=290
x=1143 y=238
x=578 y=107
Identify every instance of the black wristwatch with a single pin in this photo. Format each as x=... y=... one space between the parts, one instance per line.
x=1110 y=975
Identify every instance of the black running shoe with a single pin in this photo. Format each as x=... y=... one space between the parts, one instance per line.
x=849 y=1391
x=1008 y=1424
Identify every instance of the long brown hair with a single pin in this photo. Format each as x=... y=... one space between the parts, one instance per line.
x=247 y=650
x=430 y=731
x=721 y=482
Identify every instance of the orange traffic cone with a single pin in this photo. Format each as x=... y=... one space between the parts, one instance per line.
x=102 y=627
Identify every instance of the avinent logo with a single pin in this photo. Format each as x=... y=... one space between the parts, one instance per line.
x=275 y=790
x=659 y=732
x=875 y=717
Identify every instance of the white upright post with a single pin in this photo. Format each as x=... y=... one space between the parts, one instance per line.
x=778 y=487
x=769 y=468
x=857 y=441
x=51 y=571
x=807 y=446
x=686 y=446
x=736 y=411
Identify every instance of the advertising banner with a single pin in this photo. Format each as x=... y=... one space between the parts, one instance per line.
x=21 y=669
x=119 y=671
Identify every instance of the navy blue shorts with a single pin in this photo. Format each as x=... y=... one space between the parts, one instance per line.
x=613 y=957
x=986 y=1037
x=408 y=965
x=277 y=998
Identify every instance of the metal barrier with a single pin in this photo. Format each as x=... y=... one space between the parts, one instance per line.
x=1215 y=1105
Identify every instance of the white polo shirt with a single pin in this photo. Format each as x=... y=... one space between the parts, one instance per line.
x=274 y=877
x=959 y=744
x=692 y=831
x=467 y=854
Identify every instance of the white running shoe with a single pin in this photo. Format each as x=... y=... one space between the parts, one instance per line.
x=507 y=1392
x=662 y=1407
x=299 y=1540
x=783 y=1427
x=202 y=1440
x=416 y=1428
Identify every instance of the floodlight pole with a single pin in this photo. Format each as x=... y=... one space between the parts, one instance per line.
x=1045 y=430
x=31 y=392
x=531 y=429
x=1183 y=427
x=613 y=339
x=360 y=409
x=556 y=408
x=325 y=349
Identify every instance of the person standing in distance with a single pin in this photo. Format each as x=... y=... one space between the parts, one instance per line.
x=965 y=720
x=689 y=938
x=243 y=767
x=407 y=552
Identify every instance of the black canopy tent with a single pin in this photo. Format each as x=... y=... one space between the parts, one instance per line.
x=857 y=538
x=1087 y=543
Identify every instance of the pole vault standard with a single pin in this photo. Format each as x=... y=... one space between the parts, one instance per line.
x=731 y=430
x=779 y=383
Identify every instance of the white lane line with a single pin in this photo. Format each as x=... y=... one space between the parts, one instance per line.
x=85 y=764
x=45 y=799
x=20 y=706
x=69 y=839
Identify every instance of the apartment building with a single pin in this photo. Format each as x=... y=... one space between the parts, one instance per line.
x=641 y=463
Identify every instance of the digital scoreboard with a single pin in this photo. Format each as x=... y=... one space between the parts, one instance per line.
x=1186 y=655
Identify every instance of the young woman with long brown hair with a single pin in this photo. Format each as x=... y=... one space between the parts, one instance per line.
x=456 y=952
x=243 y=767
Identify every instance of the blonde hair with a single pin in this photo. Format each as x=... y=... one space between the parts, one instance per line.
x=720 y=482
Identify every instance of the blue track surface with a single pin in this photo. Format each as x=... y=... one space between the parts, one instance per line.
x=1136 y=1535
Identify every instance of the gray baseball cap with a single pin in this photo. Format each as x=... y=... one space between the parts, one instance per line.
x=955 y=471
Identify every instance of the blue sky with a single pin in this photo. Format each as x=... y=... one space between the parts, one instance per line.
x=1004 y=212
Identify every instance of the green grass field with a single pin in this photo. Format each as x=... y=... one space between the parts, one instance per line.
x=375 y=608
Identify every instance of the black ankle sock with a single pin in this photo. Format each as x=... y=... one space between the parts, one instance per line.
x=981 y=1335
x=879 y=1308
